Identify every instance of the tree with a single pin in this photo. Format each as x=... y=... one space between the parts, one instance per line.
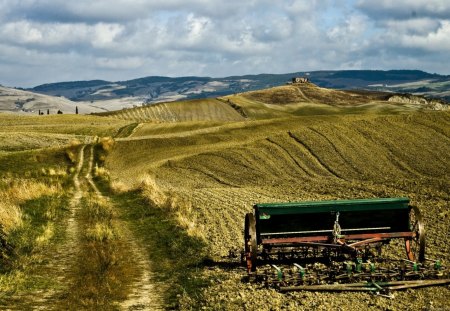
x=76 y=109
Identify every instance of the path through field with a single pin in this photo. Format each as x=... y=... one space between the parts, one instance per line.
x=83 y=271
x=143 y=294
x=141 y=291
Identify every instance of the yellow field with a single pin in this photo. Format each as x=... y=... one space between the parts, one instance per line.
x=222 y=170
x=208 y=161
x=61 y=124
x=192 y=110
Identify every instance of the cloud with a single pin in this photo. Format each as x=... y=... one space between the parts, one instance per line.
x=405 y=9
x=54 y=40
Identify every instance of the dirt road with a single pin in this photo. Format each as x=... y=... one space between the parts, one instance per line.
x=86 y=268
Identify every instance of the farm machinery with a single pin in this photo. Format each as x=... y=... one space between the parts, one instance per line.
x=343 y=245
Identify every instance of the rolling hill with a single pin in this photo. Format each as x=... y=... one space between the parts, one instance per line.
x=214 y=173
x=160 y=89
x=283 y=101
x=20 y=101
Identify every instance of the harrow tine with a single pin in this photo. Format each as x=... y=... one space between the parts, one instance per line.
x=378 y=288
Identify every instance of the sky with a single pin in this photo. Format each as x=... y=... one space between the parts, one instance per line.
x=45 y=41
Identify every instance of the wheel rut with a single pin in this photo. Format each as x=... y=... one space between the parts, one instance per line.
x=142 y=292
x=73 y=263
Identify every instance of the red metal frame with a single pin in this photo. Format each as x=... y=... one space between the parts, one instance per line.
x=366 y=238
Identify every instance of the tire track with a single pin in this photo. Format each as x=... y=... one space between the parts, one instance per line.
x=143 y=292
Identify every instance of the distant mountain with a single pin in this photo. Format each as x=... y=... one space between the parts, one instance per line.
x=25 y=102
x=158 y=89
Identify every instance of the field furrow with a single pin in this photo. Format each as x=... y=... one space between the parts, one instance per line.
x=311 y=155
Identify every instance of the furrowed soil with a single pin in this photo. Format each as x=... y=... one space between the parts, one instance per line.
x=220 y=171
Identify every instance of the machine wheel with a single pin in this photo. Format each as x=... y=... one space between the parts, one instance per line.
x=251 y=247
x=415 y=246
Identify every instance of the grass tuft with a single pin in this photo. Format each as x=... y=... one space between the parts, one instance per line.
x=14 y=192
x=181 y=208
x=48 y=232
x=100 y=232
x=119 y=187
x=72 y=150
x=10 y=216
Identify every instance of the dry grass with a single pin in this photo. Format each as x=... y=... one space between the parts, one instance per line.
x=84 y=125
x=47 y=233
x=107 y=143
x=99 y=215
x=100 y=171
x=72 y=150
x=13 y=192
x=17 y=141
x=10 y=216
x=100 y=232
x=118 y=186
x=178 y=206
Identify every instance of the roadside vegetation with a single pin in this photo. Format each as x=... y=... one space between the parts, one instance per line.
x=32 y=203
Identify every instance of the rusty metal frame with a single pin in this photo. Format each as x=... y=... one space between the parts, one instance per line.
x=366 y=238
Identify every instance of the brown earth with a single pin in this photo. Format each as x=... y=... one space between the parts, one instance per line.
x=224 y=172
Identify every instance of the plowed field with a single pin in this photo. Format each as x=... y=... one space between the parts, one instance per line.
x=193 y=110
x=223 y=169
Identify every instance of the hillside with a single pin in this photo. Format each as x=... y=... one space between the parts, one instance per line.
x=160 y=89
x=282 y=101
x=19 y=101
x=191 y=110
x=218 y=171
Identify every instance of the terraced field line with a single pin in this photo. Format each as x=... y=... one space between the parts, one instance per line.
x=315 y=159
x=144 y=294
x=290 y=157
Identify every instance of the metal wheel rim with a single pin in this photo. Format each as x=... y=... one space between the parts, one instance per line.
x=415 y=246
x=250 y=242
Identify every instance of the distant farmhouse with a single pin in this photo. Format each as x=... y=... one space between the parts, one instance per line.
x=300 y=80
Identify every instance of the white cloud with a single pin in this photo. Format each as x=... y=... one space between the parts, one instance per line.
x=437 y=41
x=119 y=63
x=71 y=40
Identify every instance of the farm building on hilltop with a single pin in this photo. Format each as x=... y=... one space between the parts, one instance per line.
x=300 y=80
